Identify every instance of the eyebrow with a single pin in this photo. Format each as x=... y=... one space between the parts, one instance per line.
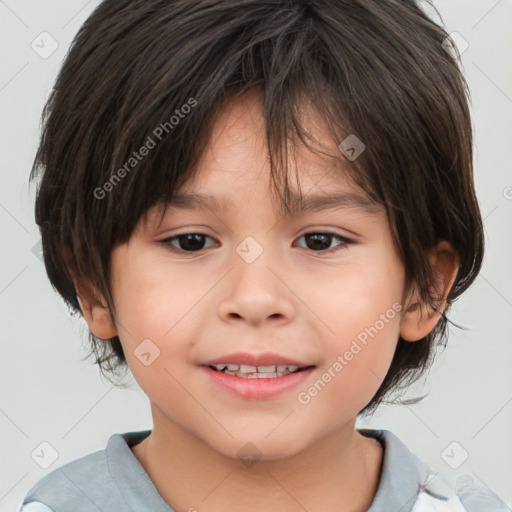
x=309 y=203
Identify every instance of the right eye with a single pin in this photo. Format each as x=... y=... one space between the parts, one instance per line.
x=189 y=242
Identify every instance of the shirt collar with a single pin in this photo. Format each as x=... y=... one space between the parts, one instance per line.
x=403 y=475
x=134 y=483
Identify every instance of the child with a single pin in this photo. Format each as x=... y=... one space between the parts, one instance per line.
x=174 y=122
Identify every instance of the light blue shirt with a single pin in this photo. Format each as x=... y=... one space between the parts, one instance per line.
x=113 y=480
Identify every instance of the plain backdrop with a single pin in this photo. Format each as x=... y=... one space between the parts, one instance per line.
x=49 y=394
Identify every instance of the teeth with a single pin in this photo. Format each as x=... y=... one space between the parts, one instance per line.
x=266 y=368
x=247 y=369
x=256 y=372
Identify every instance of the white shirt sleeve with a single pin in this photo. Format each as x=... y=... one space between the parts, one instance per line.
x=471 y=496
x=427 y=503
x=35 y=506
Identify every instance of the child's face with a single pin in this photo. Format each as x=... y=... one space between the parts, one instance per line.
x=299 y=300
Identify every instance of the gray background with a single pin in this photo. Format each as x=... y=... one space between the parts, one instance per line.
x=50 y=395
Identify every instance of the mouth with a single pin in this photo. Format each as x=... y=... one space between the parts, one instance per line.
x=257 y=376
x=257 y=372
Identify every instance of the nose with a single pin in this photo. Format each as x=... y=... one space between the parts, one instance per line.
x=257 y=291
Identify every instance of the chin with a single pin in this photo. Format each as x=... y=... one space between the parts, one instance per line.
x=251 y=449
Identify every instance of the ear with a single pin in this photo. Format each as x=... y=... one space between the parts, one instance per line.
x=419 y=318
x=95 y=313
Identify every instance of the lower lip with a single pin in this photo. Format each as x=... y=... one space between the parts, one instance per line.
x=257 y=389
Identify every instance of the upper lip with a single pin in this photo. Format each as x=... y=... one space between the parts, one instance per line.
x=262 y=359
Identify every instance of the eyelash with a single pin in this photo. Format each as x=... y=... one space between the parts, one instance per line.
x=345 y=242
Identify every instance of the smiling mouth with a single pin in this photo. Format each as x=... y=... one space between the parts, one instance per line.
x=257 y=372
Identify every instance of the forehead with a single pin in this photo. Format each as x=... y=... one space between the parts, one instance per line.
x=235 y=166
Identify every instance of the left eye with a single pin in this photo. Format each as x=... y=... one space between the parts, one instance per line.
x=194 y=242
x=322 y=241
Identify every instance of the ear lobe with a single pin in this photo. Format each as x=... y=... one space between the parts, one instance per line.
x=95 y=313
x=419 y=318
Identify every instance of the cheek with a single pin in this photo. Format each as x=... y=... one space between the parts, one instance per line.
x=353 y=370
x=362 y=311
x=154 y=316
x=154 y=300
x=359 y=297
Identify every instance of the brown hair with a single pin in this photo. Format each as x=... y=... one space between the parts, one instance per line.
x=376 y=69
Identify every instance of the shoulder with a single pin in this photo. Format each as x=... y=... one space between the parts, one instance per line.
x=468 y=495
x=69 y=483
x=88 y=483
x=407 y=479
x=476 y=497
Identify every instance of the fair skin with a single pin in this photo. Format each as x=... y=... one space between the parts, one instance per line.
x=294 y=299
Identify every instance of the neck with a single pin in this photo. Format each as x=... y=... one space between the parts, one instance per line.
x=340 y=472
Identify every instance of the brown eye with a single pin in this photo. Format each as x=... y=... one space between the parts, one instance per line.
x=187 y=242
x=321 y=242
